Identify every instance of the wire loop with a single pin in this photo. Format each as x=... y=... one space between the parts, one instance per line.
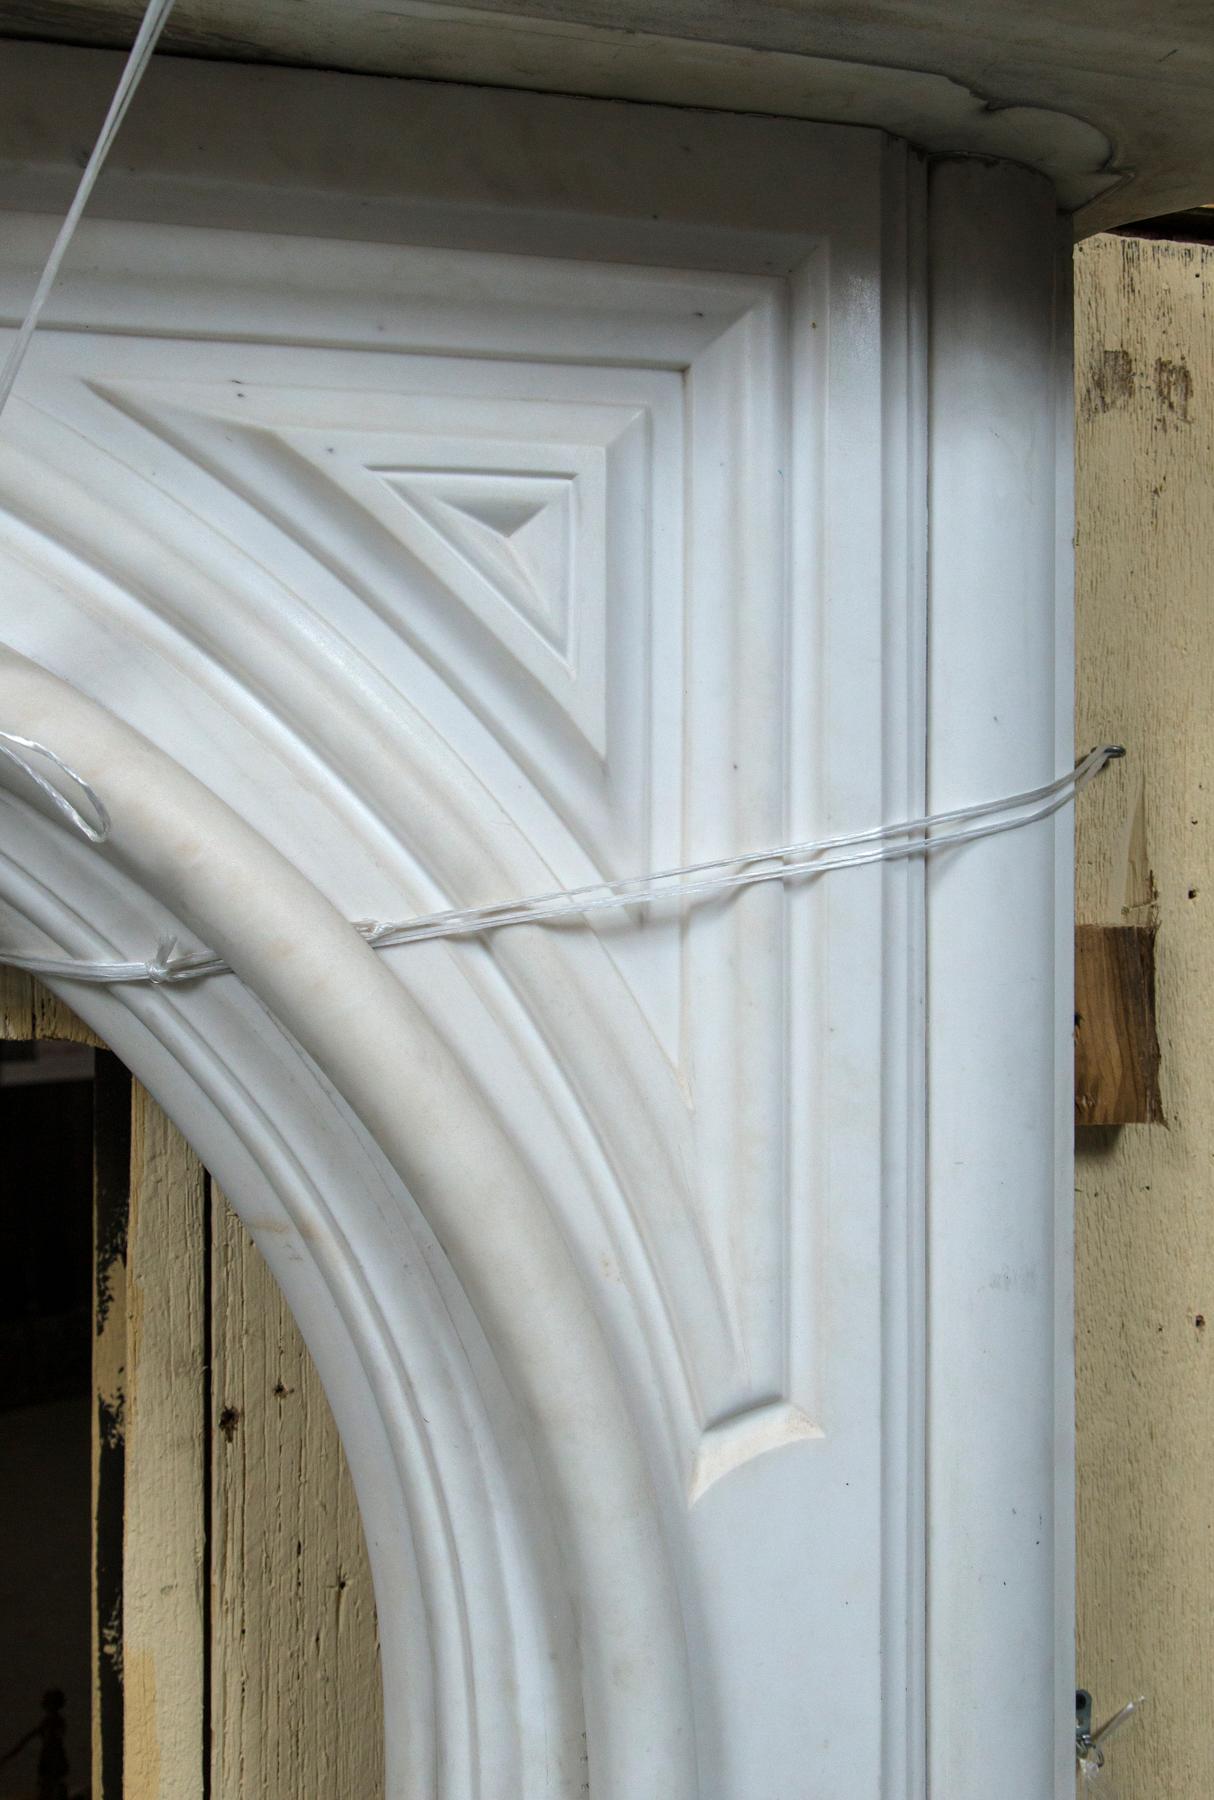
x=691 y=882
x=10 y=749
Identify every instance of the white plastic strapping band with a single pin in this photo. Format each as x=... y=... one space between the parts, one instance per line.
x=11 y=747
x=690 y=882
x=141 y=54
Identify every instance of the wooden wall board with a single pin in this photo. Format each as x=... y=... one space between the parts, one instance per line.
x=29 y=1010
x=1145 y=1208
x=165 y=1572
x=298 y=1707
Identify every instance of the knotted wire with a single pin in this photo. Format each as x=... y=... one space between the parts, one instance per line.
x=173 y=963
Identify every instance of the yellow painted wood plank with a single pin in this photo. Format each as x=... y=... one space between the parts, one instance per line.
x=1145 y=1222
x=16 y=1004
x=297 y=1703
x=28 y=1010
x=164 y=1563
x=111 y=1212
x=53 y=1018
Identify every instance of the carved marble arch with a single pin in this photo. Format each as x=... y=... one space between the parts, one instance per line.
x=492 y=589
x=364 y=579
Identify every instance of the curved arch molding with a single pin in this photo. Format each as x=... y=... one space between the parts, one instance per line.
x=362 y=580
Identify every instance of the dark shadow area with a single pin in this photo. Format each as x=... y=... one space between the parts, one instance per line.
x=46 y=1254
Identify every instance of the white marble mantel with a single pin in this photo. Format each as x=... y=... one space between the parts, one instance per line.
x=584 y=489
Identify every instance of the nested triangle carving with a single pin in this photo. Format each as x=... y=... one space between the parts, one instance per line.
x=513 y=531
x=530 y=561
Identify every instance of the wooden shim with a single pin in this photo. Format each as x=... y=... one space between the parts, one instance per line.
x=16 y=1004
x=1116 y=1042
x=54 y=1019
x=1145 y=1226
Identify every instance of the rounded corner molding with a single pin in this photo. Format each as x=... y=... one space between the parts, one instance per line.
x=287 y=1055
x=934 y=113
x=187 y=152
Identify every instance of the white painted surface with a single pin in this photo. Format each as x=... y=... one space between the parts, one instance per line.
x=999 y=950
x=364 y=579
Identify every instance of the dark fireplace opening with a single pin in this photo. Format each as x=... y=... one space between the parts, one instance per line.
x=46 y=1255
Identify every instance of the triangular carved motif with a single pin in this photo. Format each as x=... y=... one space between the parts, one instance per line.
x=514 y=531
x=510 y=544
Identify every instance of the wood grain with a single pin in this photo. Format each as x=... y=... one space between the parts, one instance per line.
x=111 y=1215
x=164 y=1563
x=54 y=1019
x=297 y=1701
x=1145 y=1209
x=1116 y=1042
